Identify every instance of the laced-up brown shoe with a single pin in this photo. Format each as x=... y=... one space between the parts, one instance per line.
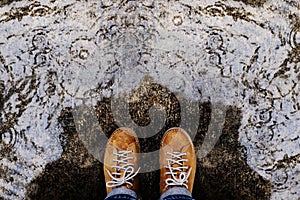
x=121 y=160
x=177 y=160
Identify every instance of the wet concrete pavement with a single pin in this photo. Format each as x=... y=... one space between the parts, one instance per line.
x=227 y=71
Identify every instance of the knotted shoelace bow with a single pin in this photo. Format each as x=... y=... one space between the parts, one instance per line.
x=128 y=168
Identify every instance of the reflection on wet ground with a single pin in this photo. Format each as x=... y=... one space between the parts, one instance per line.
x=239 y=60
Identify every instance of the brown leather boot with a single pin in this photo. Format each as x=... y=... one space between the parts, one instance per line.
x=177 y=160
x=121 y=160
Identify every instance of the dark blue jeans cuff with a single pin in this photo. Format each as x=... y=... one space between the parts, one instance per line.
x=121 y=197
x=178 y=197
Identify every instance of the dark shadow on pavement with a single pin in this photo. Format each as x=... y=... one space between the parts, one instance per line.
x=75 y=175
x=222 y=174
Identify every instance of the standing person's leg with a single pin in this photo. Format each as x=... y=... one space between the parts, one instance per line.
x=121 y=196
x=178 y=165
x=121 y=165
x=175 y=194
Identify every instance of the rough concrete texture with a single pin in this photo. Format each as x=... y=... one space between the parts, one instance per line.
x=226 y=70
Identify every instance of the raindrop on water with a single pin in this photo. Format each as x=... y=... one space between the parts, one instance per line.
x=280 y=177
x=177 y=20
x=265 y=116
x=83 y=54
x=215 y=41
x=39 y=41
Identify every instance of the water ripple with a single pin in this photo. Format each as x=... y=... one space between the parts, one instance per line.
x=58 y=54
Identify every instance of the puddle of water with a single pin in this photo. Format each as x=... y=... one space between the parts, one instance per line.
x=59 y=54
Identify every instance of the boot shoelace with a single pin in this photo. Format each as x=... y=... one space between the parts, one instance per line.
x=129 y=172
x=176 y=158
